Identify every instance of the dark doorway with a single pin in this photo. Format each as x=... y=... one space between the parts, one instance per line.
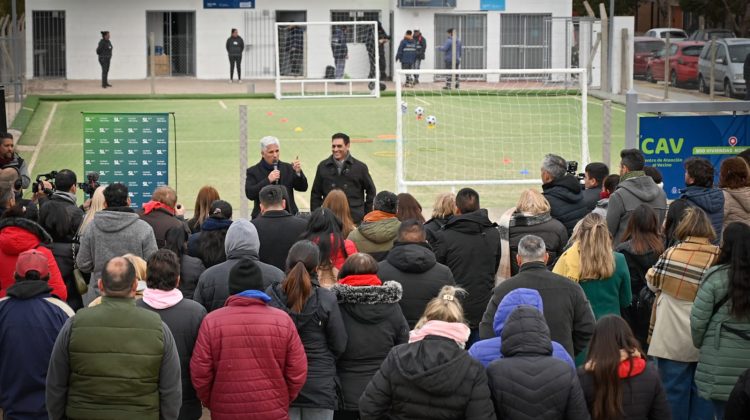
x=292 y=43
x=174 y=42
x=49 y=43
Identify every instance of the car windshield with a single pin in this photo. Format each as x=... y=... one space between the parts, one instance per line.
x=720 y=35
x=692 y=51
x=673 y=34
x=648 y=46
x=738 y=53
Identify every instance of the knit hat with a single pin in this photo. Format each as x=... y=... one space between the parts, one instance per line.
x=220 y=209
x=386 y=201
x=245 y=275
x=32 y=260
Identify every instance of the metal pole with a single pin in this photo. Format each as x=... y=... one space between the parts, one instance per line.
x=666 y=53
x=376 y=52
x=3 y=117
x=631 y=119
x=611 y=45
x=604 y=48
x=606 y=131
x=625 y=61
x=400 y=186
x=15 y=54
x=243 y=160
x=152 y=61
x=711 y=77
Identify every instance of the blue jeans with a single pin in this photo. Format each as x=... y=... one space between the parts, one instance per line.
x=340 y=64
x=719 y=408
x=678 y=379
x=305 y=413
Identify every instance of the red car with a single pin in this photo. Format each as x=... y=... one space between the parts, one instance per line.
x=644 y=48
x=683 y=63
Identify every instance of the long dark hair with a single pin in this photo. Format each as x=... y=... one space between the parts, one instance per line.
x=643 y=231
x=611 y=334
x=324 y=229
x=409 y=208
x=211 y=247
x=57 y=221
x=735 y=252
x=176 y=240
x=303 y=259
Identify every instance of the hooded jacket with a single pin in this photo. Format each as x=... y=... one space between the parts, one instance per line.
x=210 y=224
x=112 y=233
x=487 y=351
x=528 y=383
x=469 y=244
x=376 y=237
x=62 y=201
x=323 y=335
x=18 y=235
x=631 y=193
x=429 y=379
x=638 y=315
x=552 y=231
x=161 y=220
x=407 y=51
x=566 y=201
x=415 y=267
x=710 y=200
x=277 y=232
x=374 y=324
x=241 y=243
x=736 y=205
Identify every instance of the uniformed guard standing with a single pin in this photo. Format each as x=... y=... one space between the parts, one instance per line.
x=104 y=51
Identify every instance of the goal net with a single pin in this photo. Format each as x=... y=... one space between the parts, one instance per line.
x=494 y=129
x=327 y=59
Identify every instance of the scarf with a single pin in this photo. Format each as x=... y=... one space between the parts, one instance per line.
x=377 y=215
x=604 y=194
x=631 y=364
x=255 y=294
x=215 y=224
x=122 y=209
x=162 y=299
x=632 y=174
x=456 y=331
x=153 y=205
x=361 y=280
x=26 y=289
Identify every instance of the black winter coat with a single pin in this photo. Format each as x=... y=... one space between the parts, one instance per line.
x=256 y=177
x=553 y=233
x=278 y=231
x=235 y=46
x=374 y=324
x=63 y=253
x=566 y=201
x=643 y=397
x=354 y=181
x=738 y=405
x=60 y=201
x=421 y=276
x=566 y=308
x=430 y=379
x=638 y=314
x=161 y=221
x=191 y=269
x=323 y=335
x=432 y=227
x=184 y=320
x=469 y=244
x=528 y=383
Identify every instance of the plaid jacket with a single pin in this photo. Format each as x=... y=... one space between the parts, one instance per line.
x=679 y=270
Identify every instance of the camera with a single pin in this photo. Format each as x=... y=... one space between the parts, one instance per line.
x=39 y=186
x=573 y=170
x=91 y=184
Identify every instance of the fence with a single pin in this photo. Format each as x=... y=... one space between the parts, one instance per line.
x=12 y=63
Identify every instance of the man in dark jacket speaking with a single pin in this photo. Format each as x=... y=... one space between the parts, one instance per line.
x=349 y=175
x=235 y=48
x=272 y=171
x=563 y=191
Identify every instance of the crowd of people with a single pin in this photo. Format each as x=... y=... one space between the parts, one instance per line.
x=590 y=299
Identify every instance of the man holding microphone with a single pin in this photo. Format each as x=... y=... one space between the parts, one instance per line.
x=271 y=170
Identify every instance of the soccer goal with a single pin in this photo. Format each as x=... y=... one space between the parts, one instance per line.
x=493 y=129
x=327 y=59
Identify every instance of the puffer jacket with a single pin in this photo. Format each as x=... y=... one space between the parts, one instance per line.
x=529 y=383
x=632 y=192
x=18 y=235
x=421 y=276
x=710 y=200
x=432 y=227
x=487 y=351
x=241 y=243
x=723 y=340
x=429 y=379
x=376 y=237
x=374 y=324
x=248 y=361
x=407 y=51
x=736 y=205
x=323 y=335
x=552 y=231
x=566 y=201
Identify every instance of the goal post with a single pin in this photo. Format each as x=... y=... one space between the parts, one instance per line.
x=327 y=59
x=494 y=129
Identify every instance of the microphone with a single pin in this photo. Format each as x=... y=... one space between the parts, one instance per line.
x=276 y=168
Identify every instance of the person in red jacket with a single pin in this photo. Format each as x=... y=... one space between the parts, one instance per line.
x=248 y=361
x=17 y=235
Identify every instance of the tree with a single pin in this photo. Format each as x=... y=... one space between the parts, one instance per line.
x=5 y=7
x=732 y=14
x=622 y=7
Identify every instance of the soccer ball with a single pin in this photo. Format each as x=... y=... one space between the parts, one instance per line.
x=404 y=107
x=419 y=111
x=431 y=121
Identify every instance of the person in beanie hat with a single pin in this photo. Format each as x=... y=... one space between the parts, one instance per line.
x=203 y=244
x=31 y=319
x=261 y=365
x=379 y=228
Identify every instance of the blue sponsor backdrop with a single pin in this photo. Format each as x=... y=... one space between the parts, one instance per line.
x=492 y=5
x=667 y=142
x=128 y=148
x=229 y=4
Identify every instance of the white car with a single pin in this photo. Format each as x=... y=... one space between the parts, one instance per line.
x=675 y=34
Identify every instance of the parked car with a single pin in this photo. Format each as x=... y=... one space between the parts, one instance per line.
x=644 y=47
x=683 y=63
x=706 y=34
x=675 y=34
x=730 y=57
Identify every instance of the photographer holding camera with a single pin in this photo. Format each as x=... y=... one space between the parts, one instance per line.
x=27 y=207
x=62 y=198
x=563 y=191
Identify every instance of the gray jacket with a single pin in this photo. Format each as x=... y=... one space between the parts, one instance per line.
x=630 y=194
x=241 y=243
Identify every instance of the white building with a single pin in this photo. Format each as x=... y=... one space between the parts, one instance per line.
x=62 y=35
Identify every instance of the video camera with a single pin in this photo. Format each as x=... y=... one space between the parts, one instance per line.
x=39 y=186
x=573 y=170
x=91 y=184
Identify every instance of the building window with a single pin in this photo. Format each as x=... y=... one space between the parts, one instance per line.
x=359 y=33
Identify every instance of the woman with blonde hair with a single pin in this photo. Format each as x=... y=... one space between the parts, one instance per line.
x=206 y=196
x=95 y=204
x=532 y=217
x=337 y=202
x=442 y=210
x=432 y=376
x=675 y=278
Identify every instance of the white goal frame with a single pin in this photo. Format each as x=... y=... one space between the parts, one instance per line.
x=325 y=84
x=402 y=184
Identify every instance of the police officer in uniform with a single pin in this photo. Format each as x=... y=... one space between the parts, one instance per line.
x=104 y=51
